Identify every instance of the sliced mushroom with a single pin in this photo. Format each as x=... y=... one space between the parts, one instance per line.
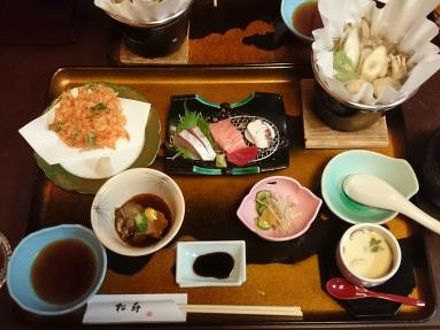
x=399 y=69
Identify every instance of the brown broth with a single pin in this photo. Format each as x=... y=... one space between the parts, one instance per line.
x=64 y=271
x=306 y=18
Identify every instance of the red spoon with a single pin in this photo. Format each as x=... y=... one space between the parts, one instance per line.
x=342 y=289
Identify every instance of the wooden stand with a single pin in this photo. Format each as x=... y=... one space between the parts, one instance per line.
x=127 y=57
x=318 y=135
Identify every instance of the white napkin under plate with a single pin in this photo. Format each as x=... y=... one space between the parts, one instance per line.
x=53 y=150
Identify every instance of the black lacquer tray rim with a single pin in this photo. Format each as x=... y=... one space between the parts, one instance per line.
x=303 y=324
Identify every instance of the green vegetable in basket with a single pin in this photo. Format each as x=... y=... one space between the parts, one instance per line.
x=343 y=67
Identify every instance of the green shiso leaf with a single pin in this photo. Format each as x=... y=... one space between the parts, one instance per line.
x=343 y=67
x=191 y=119
x=184 y=153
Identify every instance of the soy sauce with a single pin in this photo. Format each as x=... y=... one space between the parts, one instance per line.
x=64 y=271
x=216 y=264
x=306 y=18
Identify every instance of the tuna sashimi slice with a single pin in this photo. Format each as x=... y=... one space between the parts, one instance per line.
x=226 y=136
x=242 y=156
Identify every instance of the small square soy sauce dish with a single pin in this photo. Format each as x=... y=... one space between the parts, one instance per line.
x=211 y=263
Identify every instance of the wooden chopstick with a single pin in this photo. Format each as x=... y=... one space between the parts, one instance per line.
x=292 y=311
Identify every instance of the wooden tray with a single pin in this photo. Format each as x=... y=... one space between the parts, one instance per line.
x=218 y=198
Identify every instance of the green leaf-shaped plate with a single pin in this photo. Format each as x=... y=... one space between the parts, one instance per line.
x=66 y=180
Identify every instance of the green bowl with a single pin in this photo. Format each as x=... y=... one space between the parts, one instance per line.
x=397 y=172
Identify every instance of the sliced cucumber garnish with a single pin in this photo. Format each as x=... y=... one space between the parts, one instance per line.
x=262 y=223
x=261 y=200
x=266 y=220
x=262 y=196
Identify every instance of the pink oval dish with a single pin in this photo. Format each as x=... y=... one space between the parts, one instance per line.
x=307 y=204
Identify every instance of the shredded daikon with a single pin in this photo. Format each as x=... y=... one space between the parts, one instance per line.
x=282 y=212
x=285 y=210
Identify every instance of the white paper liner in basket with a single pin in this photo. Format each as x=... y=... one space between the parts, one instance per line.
x=402 y=22
x=142 y=12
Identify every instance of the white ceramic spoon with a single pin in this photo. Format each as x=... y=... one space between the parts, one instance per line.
x=373 y=191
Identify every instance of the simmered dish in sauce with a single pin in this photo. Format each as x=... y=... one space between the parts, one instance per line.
x=368 y=254
x=143 y=220
x=89 y=117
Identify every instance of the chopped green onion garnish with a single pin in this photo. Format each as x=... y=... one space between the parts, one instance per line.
x=91 y=139
x=98 y=107
x=141 y=222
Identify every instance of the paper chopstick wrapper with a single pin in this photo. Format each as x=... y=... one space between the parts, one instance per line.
x=135 y=308
x=53 y=150
x=402 y=22
x=140 y=12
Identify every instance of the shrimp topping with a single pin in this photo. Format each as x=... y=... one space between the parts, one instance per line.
x=89 y=117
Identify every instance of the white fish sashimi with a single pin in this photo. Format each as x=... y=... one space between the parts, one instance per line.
x=202 y=138
x=190 y=142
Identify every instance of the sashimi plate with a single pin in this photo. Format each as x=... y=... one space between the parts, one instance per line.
x=67 y=180
x=245 y=137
